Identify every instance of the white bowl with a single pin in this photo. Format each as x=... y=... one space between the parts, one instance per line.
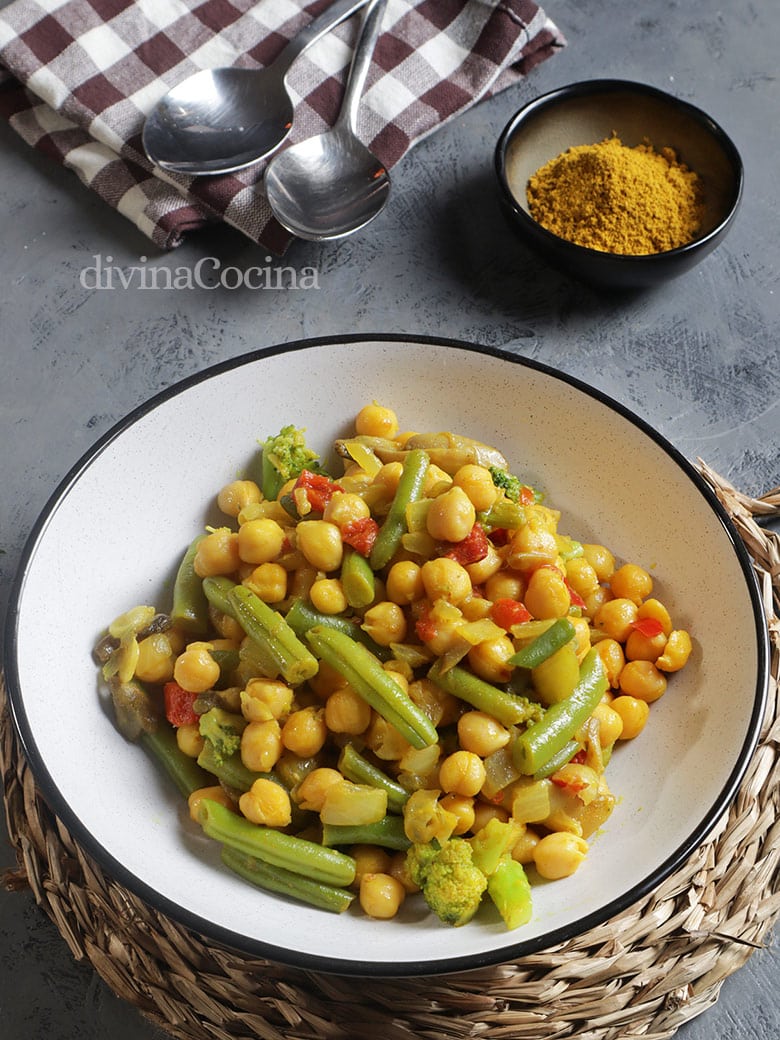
x=113 y=531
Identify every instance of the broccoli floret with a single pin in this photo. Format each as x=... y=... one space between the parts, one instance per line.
x=222 y=729
x=510 y=485
x=284 y=458
x=451 y=884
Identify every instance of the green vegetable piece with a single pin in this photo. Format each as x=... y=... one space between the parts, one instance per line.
x=278 y=644
x=357 y=580
x=286 y=882
x=302 y=616
x=494 y=841
x=183 y=770
x=510 y=890
x=190 y=610
x=552 y=765
x=388 y=833
x=222 y=729
x=546 y=738
x=217 y=593
x=274 y=847
x=545 y=645
x=365 y=674
x=510 y=485
x=410 y=488
x=508 y=708
x=231 y=771
x=503 y=513
x=451 y=884
x=360 y=771
x=285 y=456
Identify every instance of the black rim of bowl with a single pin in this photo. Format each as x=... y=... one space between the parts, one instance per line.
x=613 y=86
x=355 y=967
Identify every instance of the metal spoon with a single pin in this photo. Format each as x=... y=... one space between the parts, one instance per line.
x=331 y=185
x=221 y=120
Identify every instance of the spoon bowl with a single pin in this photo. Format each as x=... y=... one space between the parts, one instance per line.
x=222 y=120
x=332 y=185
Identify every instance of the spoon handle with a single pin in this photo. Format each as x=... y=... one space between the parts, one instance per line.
x=317 y=27
x=361 y=62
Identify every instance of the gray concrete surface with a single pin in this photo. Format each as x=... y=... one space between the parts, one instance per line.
x=698 y=358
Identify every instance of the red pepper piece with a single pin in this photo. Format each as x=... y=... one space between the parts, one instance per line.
x=508 y=612
x=575 y=597
x=319 y=489
x=527 y=496
x=360 y=534
x=178 y=705
x=649 y=627
x=472 y=549
x=499 y=536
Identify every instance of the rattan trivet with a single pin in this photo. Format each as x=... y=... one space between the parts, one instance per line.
x=641 y=974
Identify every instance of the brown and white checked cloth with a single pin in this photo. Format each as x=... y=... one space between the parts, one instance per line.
x=78 y=78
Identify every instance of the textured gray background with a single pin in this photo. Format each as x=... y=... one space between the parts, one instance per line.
x=697 y=358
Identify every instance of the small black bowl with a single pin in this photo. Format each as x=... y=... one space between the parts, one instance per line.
x=589 y=112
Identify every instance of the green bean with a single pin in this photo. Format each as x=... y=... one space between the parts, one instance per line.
x=286 y=882
x=508 y=708
x=410 y=488
x=365 y=674
x=231 y=771
x=274 y=847
x=286 y=654
x=302 y=616
x=545 y=645
x=190 y=610
x=183 y=770
x=216 y=591
x=358 y=769
x=510 y=890
x=388 y=833
x=547 y=737
x=357 y=580
x=552 y=765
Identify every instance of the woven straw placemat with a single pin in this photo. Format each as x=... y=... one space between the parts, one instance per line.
x=641 y=974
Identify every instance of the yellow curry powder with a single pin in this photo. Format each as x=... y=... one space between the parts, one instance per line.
x=618 y=199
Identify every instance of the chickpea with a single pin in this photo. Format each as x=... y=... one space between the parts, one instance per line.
x=676 y=652
x=462 y=808
x=189 y=740
x=478 y=484
x=475 y=607
x=601 y=560
x=388 y=476
x=381 y=895
x=531 y=546
x=384 y=740
x=155 y=659
x=484 y=812
x=613 y=659
x=369 y=859
x=196 y=670
x=268 y=581
x=610 y=724
x=641 y=679
x=260 y=541
x=631 y=582
x=238 y=495
x=547 y=595
x=504 y=585
x=312 y=789
x=489 y=659
x=446 y=579
x=405 y=583
x=581 y=576
x=481 y=733
x=462 y=773
x=652 y=608
x=265 y=699
x=399 y=869
x=385 y=623
x=305 y=731
x=596 y=600
x=486 y=568
x=644 y=648
x=558 y=855
x=326 y=681
x=615 y=617
x=328 y=596
x=451 y=516
x=320 y=542
x=213 y=794
x=633 y=712
x=347 y=712
x=266 y=803
x=343 y=507
x=261 y=745
x=374 y=420
x=523 y=848
x=217 y=553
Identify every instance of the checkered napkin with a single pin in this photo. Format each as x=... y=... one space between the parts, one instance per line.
x=78 y=78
